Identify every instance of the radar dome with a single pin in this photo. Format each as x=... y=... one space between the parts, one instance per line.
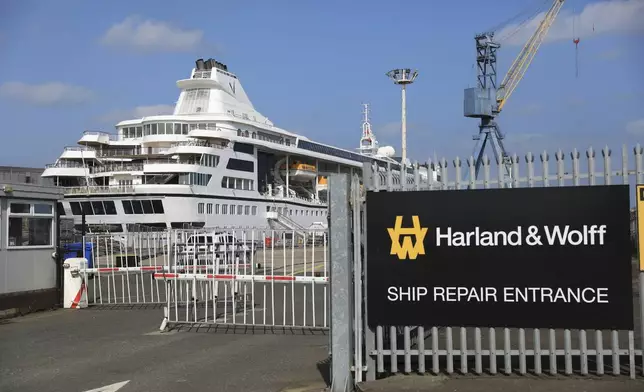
x=386 y=151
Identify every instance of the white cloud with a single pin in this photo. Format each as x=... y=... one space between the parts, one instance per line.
x=46 y=94
x=151 y=35
x=138 y=112
x=636 y=127
x=603 y=17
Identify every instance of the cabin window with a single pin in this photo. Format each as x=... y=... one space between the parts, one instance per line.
x=30 y=224
x=209 y=209
x=247 y=210
x=240 y=165
x=76 y=208
x=244 y=148
x=254 y=210
x=200 y=208
x=216 y=209
x=158 y=206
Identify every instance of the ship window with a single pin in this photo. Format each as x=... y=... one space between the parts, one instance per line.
x=244 y=147
x=87 y=208
x=209 y=209
x=254 y=210
x=136 y=205
x=76 y=208
x=177 y=128
x=184 y=129
x=127 y=207
x=110 y=209
x=200 y=208
x=247 y=210
x=158 y=206
x=216 y=209
x=224 y=209
x=209 y=160
x=232 y=209
x=154 y=129
x=254 y=135
x=147 y=207
x=98 y=208
x=240 y=165
x=60 y=209
x=30 y=225
x=240 y=210
x=268 y=208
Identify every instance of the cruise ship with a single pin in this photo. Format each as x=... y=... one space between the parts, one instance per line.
x=215 y=162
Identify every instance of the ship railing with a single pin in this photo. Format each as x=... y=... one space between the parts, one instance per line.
x=117 y=168
x=94 y=189
x=197 y=143
x=79 y=148
x=119 y=152
x=66 y=165
x=268 y=196
x=111 y=136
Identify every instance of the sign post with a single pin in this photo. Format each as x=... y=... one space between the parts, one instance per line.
x=640 y=226
x=639 y=218
x=556 y=257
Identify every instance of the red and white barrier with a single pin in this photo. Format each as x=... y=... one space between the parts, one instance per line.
x=75 y=288
x=231 y=277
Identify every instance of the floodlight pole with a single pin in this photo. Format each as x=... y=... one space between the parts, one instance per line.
x=403 y=77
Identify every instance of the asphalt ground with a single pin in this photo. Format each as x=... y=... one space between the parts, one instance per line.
x=81 y=350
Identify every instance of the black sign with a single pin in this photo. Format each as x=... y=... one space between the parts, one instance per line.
x=556 y=257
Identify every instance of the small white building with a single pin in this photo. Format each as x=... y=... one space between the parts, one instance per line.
x=29 y=276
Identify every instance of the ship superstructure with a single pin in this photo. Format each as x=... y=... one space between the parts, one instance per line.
x=216 y=161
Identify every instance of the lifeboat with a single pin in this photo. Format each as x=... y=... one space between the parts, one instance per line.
x=299 y=171
x=322 y=183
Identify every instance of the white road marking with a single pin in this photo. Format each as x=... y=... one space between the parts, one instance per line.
x=110 y=388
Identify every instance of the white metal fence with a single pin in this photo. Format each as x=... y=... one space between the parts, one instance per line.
x=387 y=350
x=215 y=276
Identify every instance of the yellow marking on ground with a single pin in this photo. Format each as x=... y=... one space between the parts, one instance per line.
x=318 y=267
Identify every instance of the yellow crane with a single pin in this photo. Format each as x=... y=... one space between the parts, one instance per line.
x=486 y=100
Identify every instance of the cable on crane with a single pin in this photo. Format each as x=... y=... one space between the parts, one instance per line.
x=511 y=19
x=575 y=40
x=519 y=26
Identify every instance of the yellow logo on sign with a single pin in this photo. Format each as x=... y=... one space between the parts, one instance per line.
x=408 y=249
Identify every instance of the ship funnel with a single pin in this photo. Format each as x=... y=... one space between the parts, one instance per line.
x=200 y=64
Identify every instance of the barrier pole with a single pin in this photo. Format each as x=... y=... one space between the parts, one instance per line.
x=341 y=277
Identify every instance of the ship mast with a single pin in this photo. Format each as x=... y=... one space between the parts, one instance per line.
x=368 y=142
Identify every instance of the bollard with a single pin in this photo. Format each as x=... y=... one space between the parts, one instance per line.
x=75 y=296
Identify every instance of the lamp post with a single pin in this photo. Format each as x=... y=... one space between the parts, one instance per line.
x=403 y=77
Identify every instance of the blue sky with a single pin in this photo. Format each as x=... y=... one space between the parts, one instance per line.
x=82 y=65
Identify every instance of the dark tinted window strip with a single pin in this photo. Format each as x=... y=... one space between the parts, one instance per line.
x=240 y=165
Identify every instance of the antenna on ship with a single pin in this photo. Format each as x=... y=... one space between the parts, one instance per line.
x=368 y=142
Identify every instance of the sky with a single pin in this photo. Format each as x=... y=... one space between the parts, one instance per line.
x=76 y=65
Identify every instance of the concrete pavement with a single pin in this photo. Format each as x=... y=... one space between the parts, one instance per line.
x=66 y=350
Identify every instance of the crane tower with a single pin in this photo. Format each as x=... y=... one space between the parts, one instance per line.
x=486 y=100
